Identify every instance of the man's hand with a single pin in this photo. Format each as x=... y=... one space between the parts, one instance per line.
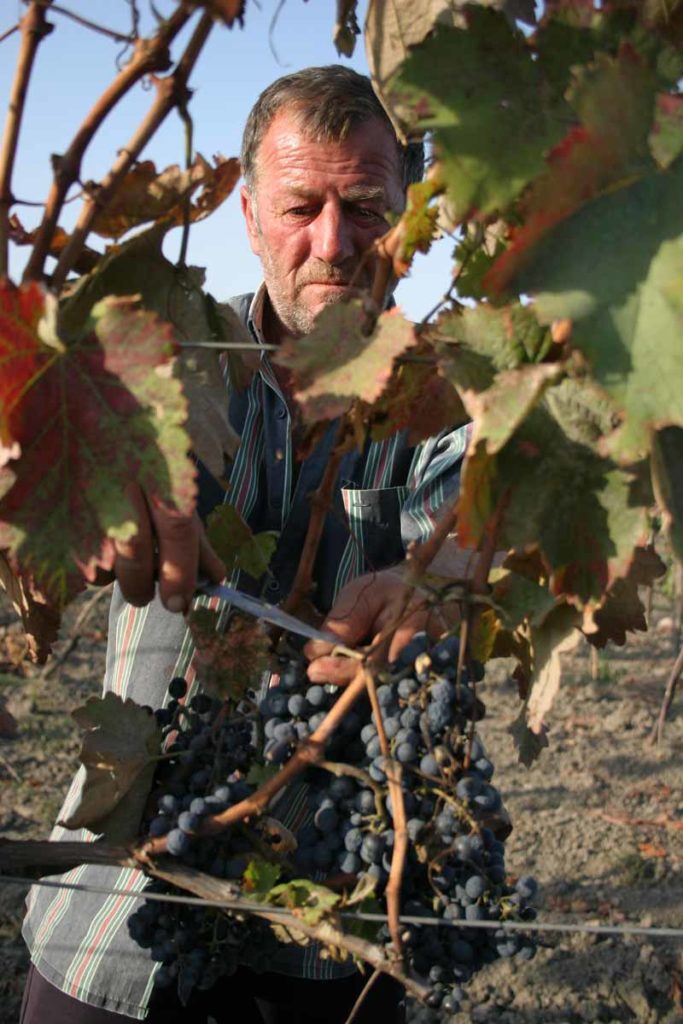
x=167 y=546
x=364 y=608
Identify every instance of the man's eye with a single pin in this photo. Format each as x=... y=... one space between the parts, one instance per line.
x=365 y=213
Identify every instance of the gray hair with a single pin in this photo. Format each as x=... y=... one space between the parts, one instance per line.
x=330 y=102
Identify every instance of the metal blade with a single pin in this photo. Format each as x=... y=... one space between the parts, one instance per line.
x=268 y=612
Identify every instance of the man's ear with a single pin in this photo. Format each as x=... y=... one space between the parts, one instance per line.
x=249 y=211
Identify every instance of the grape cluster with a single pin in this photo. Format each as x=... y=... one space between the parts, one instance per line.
x=455 y=867
x=454 y=873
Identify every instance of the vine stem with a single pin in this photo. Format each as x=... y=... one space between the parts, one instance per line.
x=34 y=27
x=324 y=931
x=171 y=92
x=355 y=1009
x=150 y=56
x=672 y=682
x=310 y=752
x=321 y=502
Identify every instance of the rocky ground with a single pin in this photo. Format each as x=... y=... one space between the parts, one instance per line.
x=598 y=821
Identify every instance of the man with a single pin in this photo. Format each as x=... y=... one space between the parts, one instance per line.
x=322 y=168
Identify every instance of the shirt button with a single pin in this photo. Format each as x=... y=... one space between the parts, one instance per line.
x=272 y=586
x=281 y=412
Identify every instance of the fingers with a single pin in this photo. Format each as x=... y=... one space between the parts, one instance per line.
x=332 y=669
x=134 y=561
x=168 y=544
x=178 y=541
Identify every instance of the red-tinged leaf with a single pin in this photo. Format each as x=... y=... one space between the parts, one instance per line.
x=88 y=258
x=227 y=11
x=627 y=320
x=338 y=362
x=418 y=399
x=667 y=480
x=613 y=99
x=228 y=662
x=90 y=418
x=146 y=194
x=666 y=137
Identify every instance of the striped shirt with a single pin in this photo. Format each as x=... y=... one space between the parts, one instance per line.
x=386 y=496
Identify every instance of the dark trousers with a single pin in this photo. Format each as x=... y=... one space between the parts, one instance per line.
x=243 y=998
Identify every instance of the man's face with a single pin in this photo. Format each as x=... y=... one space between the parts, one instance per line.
x=317 y=208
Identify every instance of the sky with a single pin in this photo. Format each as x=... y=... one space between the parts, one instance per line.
x=74 y=65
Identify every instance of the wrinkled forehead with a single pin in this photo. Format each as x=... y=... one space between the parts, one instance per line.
x=293 y=151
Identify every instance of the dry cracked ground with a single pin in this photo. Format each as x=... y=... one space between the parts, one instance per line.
x=598 y=821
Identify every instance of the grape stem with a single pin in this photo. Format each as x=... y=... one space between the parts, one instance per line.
x=171 y=91
x=321 y=501
x=310 y=752
x=326 y=931
x=150 y=55
x=341 y=768
x=34 y=27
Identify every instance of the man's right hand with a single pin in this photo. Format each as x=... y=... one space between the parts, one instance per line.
x=168 y=547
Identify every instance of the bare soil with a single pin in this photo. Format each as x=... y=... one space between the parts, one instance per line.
x=598 y=821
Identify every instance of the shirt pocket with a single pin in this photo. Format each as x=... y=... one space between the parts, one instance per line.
x=374 y=520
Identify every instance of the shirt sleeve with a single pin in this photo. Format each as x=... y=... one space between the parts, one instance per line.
x=433 y=482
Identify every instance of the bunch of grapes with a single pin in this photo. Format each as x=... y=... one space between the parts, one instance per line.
x=454 y=872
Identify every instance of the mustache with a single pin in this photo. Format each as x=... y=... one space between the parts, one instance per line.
x=327 y=273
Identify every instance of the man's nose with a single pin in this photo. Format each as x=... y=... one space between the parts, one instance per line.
x=332 y=239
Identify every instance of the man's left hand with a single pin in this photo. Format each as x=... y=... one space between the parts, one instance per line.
x=363 y=610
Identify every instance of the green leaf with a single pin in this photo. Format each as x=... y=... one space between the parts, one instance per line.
x=260 y=773
x=517 y=598
x=338 y=362
x=119 y=752
x=498 y=411
x=666 y=137
x=628 y=318
x=482 y=94
x=557 y=635
x=667 y=474
x=233 y=541
x=308 y=900
x=260 y=876
x=586 y=532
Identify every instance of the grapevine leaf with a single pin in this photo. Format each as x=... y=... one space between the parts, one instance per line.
x=232 y=660
x=261 y=773
x=259 y=877
x=227 y=11
x=621 y=611
x=346 y=28
x=614 y=101
x=498 y=411
x=485 y=339
x=583 y=410
x=175 y=294
x=119 y=748
x=557 y=635
x=146 y=194
x=417 y=227
x=308 y=900
x=529 y=744
x=418 y=399
x=87 y=259
x=483 y=96
x=666 y=137
x=40 y=621
x=586 y=533
x=213 y=437
x=232 y=540
x=218 y=183
x=517 y=598
x=628 y=318
x=667 y=474
x=89 y=418
x=337 y=362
